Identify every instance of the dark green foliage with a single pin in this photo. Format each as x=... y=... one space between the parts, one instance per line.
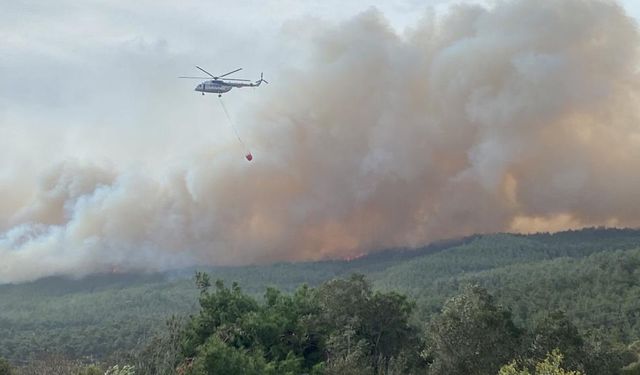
x=105 y=316
x=633 y=369
x=91 y=370
x=5 y=367
x=592 y=275
x=222 y=312
x=279 y=336
x=359 y=331
x=473 y=335
x=556 y=331
x=343 y=323
x=216 y=357
x=294 y=319
x=374 y=322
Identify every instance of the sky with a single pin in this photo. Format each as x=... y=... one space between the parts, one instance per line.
x=82 y=75
x=384 y=124
x=104 y=64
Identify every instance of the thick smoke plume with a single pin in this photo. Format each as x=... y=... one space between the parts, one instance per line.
x=519 y=117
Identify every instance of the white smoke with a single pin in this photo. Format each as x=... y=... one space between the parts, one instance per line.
x=522 y=117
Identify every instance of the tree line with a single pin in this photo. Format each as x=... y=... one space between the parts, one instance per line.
x=346 y=327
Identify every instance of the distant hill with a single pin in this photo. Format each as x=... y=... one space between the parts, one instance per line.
x=593 y=274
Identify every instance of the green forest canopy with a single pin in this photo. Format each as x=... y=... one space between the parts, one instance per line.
x=593 y=275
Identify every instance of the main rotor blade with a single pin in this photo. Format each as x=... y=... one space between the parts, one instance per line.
x=226 y=74
x=212 y=76
x=226 y=79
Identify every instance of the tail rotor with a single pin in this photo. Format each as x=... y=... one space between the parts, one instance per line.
x=258 y=82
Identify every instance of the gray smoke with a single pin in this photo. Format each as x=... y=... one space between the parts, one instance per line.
x=519 y=117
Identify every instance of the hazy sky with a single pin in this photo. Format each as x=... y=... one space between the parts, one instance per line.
x=385 y=124
x=87 y=79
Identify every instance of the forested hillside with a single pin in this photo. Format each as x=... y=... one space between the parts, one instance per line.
x=344 y=327
x=593 y=275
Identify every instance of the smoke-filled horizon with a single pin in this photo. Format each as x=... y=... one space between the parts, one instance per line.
x=518 y=117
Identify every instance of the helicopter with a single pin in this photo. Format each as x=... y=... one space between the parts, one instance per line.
x=220 y=86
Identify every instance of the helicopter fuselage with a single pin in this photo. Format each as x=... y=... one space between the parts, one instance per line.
x=214 y=86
